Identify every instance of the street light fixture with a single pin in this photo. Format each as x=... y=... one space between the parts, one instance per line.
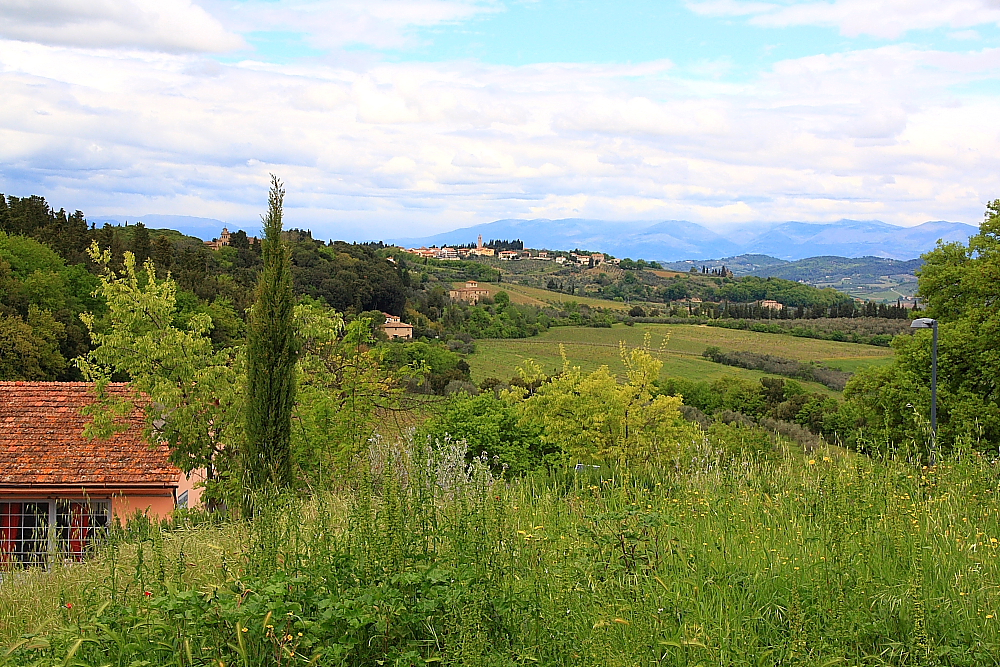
x=930 y=323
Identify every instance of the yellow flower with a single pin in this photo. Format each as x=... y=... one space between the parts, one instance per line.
x=812 y=462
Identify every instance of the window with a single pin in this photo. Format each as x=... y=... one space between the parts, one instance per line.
x=34 y=531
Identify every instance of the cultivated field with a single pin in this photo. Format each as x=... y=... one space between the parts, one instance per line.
x=548 y=297
x=590 y=348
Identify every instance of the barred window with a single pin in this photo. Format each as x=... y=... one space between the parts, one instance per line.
x=33 y=532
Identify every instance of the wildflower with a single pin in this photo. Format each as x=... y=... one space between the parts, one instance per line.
x=147 y=593
x=69 y=605
x=812 y=462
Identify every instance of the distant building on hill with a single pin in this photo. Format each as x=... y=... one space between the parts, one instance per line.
x=481 y=250
x=509 y=254
x=396 y=328
x=773 y=305
x=224 y=240
x=471 y=293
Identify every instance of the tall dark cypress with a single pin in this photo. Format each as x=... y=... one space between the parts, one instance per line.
x=271 y=355
x=139 y=244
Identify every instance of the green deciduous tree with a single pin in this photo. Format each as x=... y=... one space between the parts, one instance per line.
x=344 y=393
x=961 y=288
x=190 y=390
x=271 y=355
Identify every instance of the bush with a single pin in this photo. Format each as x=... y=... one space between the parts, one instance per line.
x=487 y=423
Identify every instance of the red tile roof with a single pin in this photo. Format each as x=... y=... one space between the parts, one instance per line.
x=42 y=442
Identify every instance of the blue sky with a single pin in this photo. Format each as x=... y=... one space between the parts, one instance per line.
x=399 y=117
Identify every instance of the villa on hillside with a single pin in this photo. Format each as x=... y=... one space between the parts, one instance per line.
x=396 y=328
x=471 y=293
x=60 y=490
x=773 y=305
x=224 y=240
x=508 y=255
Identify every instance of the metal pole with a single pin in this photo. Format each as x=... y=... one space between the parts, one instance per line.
x=934 y=387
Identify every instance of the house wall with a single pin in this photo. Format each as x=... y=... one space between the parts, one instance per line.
x=190 y=483
x=125 y=504
x=158 y=503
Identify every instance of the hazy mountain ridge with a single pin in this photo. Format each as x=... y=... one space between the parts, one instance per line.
x=674 y=240
x=829 y=269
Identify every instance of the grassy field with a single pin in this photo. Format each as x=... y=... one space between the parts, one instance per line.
x=542 y=296
x=723 y=558
x=591 y=348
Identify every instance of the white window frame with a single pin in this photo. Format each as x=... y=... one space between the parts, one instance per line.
x=54 y=521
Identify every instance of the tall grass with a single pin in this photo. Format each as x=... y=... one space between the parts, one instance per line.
x=731 y=556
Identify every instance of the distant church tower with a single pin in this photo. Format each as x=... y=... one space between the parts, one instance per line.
x=479 y=244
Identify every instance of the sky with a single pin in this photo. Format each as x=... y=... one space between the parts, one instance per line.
x=399 y=118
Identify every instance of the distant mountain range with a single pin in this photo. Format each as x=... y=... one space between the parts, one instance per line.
x=674 y=240
x=664 y=241
x=824 y=268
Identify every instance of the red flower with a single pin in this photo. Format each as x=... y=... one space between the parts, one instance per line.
x=148 y=593
x=69 y=605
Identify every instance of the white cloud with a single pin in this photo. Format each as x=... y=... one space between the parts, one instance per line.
x=397 y=149
x=160 y=25
x=324 y=24
x=887 y=19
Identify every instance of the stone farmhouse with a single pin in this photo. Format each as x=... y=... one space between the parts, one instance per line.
x=396 y=328
x=471 y=293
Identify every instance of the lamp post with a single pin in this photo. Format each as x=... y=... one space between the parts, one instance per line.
x=930 y=323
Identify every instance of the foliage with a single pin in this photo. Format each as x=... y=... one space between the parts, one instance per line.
x=345 y=393
x=960 y=287
x=770 y=398
x=271 y=353
x=40 y=302
x=491 y=425
x=191 y=392
x=593 y=417
x=347 y=276
x=425 y=367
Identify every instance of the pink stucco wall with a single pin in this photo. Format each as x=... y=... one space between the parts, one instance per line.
x=124 y=504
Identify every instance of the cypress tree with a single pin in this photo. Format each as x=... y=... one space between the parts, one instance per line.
x=163 y=254
x=140 y=243
x=271 y=355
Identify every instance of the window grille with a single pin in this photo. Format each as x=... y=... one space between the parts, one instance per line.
x=35 y=532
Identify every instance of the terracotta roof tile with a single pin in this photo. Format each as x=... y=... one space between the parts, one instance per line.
x=42 y=443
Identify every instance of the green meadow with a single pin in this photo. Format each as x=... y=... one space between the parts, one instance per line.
x=744 y=551
x=679 y=347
